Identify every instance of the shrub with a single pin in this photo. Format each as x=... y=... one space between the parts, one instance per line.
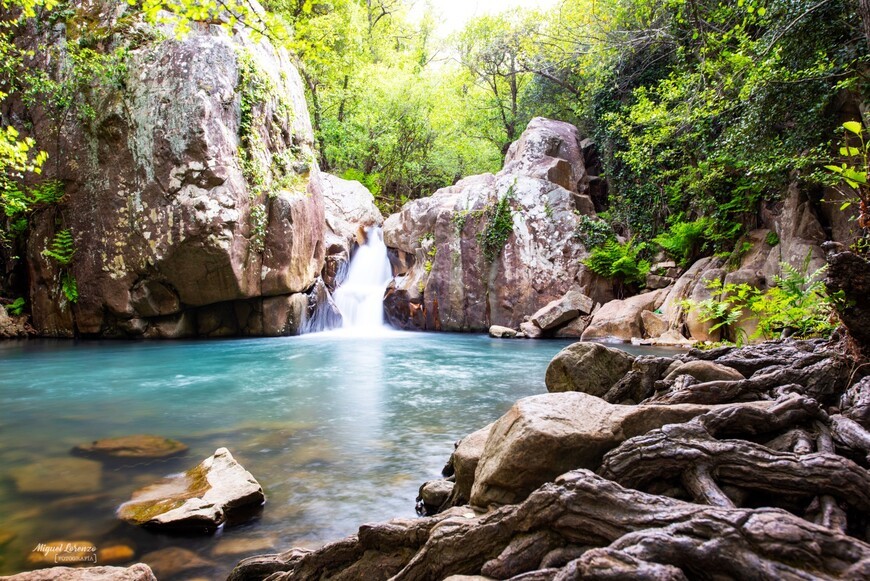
x=622 y=262
x=684 y=240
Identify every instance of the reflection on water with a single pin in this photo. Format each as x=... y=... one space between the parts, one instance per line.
x=338 y=429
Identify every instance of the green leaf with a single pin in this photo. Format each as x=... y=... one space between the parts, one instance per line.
x=853 y=126
x=762 y=11
x=834 y=168
x=845 y=205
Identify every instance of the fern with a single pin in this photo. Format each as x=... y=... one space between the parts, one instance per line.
x=62 y=248
x=16 y=307
x=683 y=239
x=619 y=261
x=69 y=287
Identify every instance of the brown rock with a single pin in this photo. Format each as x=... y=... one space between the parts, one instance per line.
x=464 y=461
x=500 y=332
x=137 y=572
x=115 y=554
x=587 y=367
x=173 y=561
x=543 y=436
x=531 y=330
x=62 y=552
x=706 y=371
x=135 y=446
x=653 y=325
x=562 y=310
x=622 y=319
x=573 y=330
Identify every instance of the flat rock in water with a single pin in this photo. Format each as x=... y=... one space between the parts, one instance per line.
x=500 y=332
x=58 y=476
x=137 y=572
x=134 y=446
x=197 y=501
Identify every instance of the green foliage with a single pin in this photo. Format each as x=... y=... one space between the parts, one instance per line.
x=772 y=238
x=592 y=232
x=798 y=304
x=69 y=287
x=683 y=240
x=499 y=225
x=854 y=172
x=62 y=247
x=16 y=307
x=620 y=261
x=259 y=225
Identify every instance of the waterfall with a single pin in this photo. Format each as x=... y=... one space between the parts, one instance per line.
x=360 y=298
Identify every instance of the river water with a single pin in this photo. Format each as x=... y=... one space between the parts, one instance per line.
x=339 y=430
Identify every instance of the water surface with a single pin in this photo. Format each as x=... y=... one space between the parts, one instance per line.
x=339 y=430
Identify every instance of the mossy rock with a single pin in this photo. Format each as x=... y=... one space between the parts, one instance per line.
x=133 y=446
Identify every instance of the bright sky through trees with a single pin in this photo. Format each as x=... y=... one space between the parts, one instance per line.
x=454 y=14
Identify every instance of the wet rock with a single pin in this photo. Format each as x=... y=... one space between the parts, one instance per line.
x=587 y=367
x=241 y=546
x=562 y=310
x=433 y=495
x=115 y=554
x=622 y=319
x=573 y=330
x=543 y=436
x=706 y=371
x=173 y=561
x=216 y=491
x=58 y=476
x=855 y=403
x=62 y=552
x=134 y=446
x=500 y=332
x=137 y=572
x=531 y=330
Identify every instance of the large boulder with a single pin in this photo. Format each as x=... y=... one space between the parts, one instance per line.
x=544 y=436
x=436 y=241
x=463 y=463
x=563 y=310
x=216 y=491
x=621 y=319
x=194 y=186
x=587 y=367
x=349 y=209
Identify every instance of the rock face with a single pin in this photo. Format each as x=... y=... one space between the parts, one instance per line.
x=12 y=327
x=850 y=274
x=136 y=446
x=137 y=572
x=445 y=279
x=587 y=367
x=170 y=222
x=216 y=491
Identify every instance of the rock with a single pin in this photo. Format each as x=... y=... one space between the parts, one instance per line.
x=573 y=330
x=799 y=231
x=115 y=554
x=639 y=383
x=11 y=326
x=62 y=552
x=543 y=436
x=137 y=572
x=699 y=329
x=705 y=371
x=216 y=491
x=562 y=310
x=672 y=309
x=621 y=319
x=173 y=561
x=285 y=315
x=455 y=285
x=58 y=476
x=135 y=446
x=500 y=332
x=654 y=325
x=655 y=282
x=349 y=208
x=163 y=211
x=464 y=462
x=531 y=330
x=240 y=546
x=433 y=495
x=850 y=274
x=587 y=367
x=855 y=403
x=670 y=338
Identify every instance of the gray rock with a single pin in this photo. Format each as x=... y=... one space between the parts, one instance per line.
x=653 y=325
x=214 y=492
x=464 y=463
x=706 y=371
x=587 y=367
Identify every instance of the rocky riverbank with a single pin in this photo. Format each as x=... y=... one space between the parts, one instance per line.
x=752 y=462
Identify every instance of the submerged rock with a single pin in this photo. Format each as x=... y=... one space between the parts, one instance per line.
x=137 y=572
x=135 y=446
x=58 y=476
x=216 y=491
x=173 y=561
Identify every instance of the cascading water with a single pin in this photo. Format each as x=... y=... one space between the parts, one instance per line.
x=360 y=298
